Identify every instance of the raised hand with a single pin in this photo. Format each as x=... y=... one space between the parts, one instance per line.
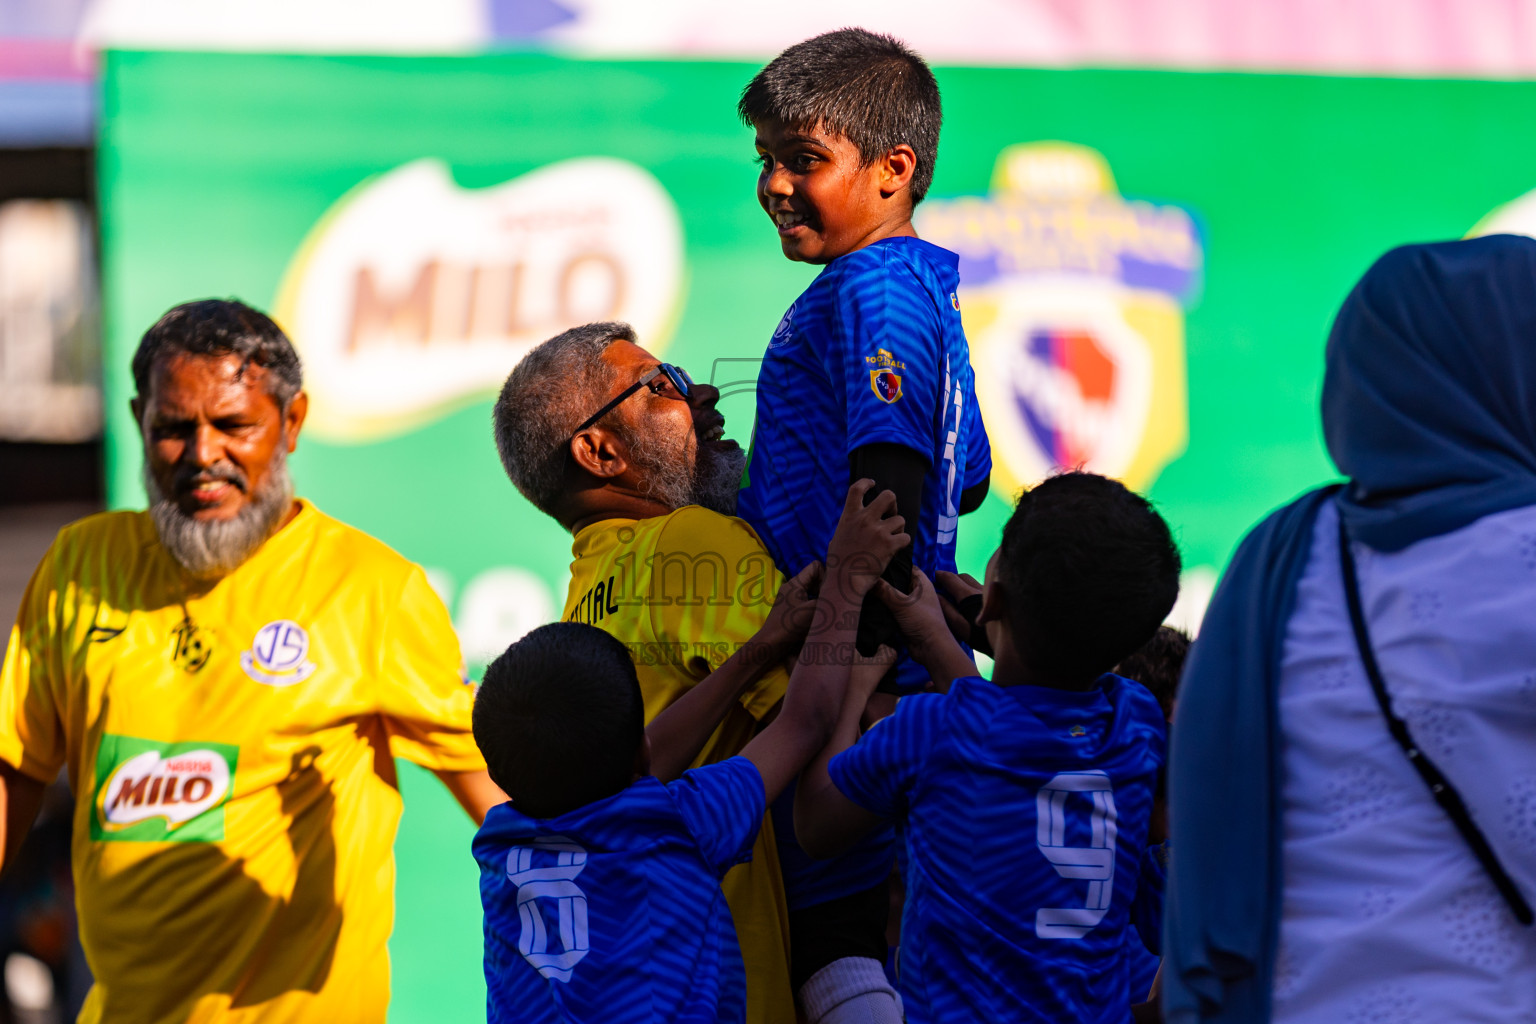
x=920 y=614
x=961 y=594
x=866 y=675
x=794 y=609
x=866 y=538
x=958 y=586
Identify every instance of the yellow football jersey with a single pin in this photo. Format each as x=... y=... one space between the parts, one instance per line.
x=684 y=591
x=230 y=749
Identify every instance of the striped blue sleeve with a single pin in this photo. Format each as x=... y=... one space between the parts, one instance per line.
x=880 y=771
x=888 y=353
x=978 y=449
x=723 y=806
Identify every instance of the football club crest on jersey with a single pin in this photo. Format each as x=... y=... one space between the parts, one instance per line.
x=885 y=372
x=1074 y=311
x=279 y=656
x=786 y=328
x=190 y=647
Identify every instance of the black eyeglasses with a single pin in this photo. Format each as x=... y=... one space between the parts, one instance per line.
x=676 y=375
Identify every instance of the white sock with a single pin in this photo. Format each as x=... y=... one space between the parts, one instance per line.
x=853 y=990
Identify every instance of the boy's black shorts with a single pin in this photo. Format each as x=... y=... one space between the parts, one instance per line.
x=852 y=925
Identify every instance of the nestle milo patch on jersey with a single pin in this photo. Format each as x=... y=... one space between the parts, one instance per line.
x=151 y=792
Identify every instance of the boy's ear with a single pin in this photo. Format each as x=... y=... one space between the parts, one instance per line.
x=993 y=617
x=896 y=169
x=994 y=604
x=600 y=453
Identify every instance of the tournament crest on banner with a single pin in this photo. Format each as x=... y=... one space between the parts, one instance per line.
x=1073 y=301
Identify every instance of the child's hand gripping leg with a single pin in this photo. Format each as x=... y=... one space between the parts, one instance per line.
x=929 y=636
x=866 y=538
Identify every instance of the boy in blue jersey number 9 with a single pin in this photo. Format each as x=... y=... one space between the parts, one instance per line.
x=1025 y=800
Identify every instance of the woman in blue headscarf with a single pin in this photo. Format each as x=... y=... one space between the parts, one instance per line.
x=1324 y=870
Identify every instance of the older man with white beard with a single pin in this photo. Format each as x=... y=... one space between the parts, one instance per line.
x=629 y=455
x=228 y=678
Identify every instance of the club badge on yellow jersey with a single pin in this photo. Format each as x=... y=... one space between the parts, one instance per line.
x=190 y=647
x=1074 y=309
x=279 y=655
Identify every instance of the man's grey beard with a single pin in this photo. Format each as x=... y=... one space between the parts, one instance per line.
x=717 y=478
x=676 y=476
x=209 y=550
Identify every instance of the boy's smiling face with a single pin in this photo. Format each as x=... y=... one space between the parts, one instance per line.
x=823 y=198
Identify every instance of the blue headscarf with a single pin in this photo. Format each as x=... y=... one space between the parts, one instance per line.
x=1429 y=407
x=1429 y=400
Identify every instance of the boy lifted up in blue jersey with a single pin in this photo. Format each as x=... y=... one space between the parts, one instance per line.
x=867 y=376
x=1026 y=799
x=600 y=884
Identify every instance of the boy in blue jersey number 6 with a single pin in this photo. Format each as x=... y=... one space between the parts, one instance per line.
x=600 y=884
x=868 y=375
x=1025 y=800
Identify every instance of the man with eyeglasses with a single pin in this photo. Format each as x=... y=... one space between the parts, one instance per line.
x=629 y=454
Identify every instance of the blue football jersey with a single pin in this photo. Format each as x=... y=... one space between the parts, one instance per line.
x=613 y=913
x=1144 y=940
x=872 y=352
x=808 y=881
x=1025 y=813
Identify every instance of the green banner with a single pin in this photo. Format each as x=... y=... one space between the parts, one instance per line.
x=1150 y=262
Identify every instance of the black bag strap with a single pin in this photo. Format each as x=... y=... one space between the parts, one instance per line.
x=1440 y=787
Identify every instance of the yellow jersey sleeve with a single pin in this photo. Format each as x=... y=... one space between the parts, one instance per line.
x=31 y=730
x=713 y=585
x=423 y=694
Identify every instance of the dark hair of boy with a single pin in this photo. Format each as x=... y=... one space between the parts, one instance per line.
x=867 y=87
x=1157 y=665
x=1090 y=571
x=559 y=719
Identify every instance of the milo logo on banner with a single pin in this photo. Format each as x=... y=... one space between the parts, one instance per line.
x=412 y=296
x=161 y=792
x=1073 y=301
